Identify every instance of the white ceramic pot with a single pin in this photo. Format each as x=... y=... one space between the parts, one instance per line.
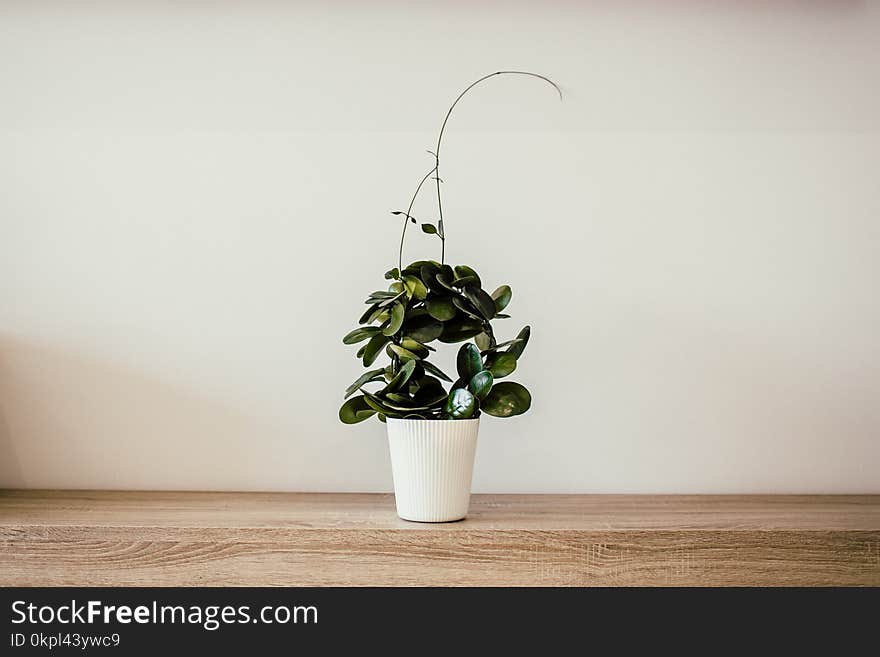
x=432 y=462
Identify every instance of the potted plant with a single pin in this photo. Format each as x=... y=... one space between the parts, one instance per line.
x=432 y=430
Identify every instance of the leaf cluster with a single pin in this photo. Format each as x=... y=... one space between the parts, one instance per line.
x=424 y=302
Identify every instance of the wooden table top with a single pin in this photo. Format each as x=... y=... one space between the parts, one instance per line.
x=197 y=538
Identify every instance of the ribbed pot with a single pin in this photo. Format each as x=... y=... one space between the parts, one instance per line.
x=432 y=462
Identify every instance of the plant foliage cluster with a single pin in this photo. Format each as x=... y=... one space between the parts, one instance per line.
x=428 y=301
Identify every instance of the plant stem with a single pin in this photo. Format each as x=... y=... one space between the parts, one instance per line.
x=436 y=153
x=443 y=129
x=408 y=216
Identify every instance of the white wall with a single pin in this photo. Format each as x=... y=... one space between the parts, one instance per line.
x=195 y=201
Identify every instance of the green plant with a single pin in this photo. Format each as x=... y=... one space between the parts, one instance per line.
x=428 y=301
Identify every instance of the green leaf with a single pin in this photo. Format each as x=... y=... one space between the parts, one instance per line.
x=507 y=399
x=460 y=329
x=484 y=342
x=481 y=384
x=420 y=326
x=415 y=287
x=355 y=410
x=392 y=273
x=441 y=308
x=428 y=274
x=396 y=287
x=415 y=268
x=463 y=271
x=365 y=318
x=363 y=379
x=431 y=229
x=436 y=371
x=376 y=315
x=379 y=295
x=374 y=346
x=501 y=316
x=360 y=352
x=502 y=296
x=417 y=348
x=401 y=378
x=460 y=404
x=523 y=336
x=387 y=302
x=398 y=311
x=445 y=277
x=501 y=364
x=468 y=362
x=430 y=393
x=360 y=334
x=379 y=405
x=467 y=308
x=404 y=354
x=481 y=300
x=467 y=280
x=383 y=405
x=500 y=346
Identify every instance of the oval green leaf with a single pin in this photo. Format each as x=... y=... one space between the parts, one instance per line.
x=421 y=327
x=465 y=306
x=414 y=287
x=417 y=348
x=481 y=300
x=481 y=384
x=517 y=348
x=363 y=379
x=398 y=311
x=507 y=399
x=463 y=271
x=441 y=308
x=431 y=229
x=360 y=334
x=501 y=364
x=365 y=318
x=430 y=393
x=374 y=346
x=468 y=362
x=355 y=410
x=400 y=379
x=460 y=404
x=484 y=342
x=460 y=329
x=404 y=354
x=467 y=280
x=501 y=297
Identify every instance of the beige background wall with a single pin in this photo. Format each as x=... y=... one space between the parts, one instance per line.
x=195 y=200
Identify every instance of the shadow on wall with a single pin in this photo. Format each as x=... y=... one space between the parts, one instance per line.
x=68 y=418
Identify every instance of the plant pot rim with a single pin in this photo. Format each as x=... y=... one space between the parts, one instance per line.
x=415 y=419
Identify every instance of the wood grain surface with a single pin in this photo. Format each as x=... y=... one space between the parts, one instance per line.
x=91 y=538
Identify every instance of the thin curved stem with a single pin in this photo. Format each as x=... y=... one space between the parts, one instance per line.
x=443 y=129
x=408 y=216
x=436 y=153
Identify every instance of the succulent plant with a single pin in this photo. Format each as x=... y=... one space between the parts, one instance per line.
x=428 y=301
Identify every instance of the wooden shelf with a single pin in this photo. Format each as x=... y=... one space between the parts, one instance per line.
x=89 y=538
